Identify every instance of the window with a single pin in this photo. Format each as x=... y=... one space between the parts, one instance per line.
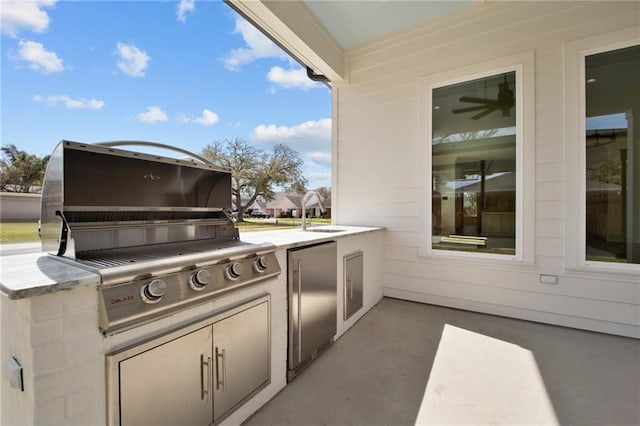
x=474 y=161
x=612 y=154
x=474 y=167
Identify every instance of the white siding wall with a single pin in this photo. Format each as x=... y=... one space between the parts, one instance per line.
x=377 y=164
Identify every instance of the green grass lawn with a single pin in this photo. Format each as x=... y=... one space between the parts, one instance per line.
x=255 y=224
x=18 y=232
x=27 y=232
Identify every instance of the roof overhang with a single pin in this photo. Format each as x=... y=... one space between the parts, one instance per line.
x=291 y=25
x=317 y=33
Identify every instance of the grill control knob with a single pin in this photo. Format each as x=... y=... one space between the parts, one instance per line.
x=153 y=291
x=261 y=264
x=199 y=280
x=234 y=271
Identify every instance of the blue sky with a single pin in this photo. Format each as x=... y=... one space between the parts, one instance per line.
x=183 y=73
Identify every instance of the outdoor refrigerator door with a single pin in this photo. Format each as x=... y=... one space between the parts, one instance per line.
x=312 y=300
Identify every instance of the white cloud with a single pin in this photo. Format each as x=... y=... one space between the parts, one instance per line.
x=184 y=7
x=69 y=102
x=38 y=57
x=318 y=179
x=307 y=137
x=319 y=175
x=312 y=141
x=291 y=78
x=133 y=61
x=258 y=46
x=24 y=15
x=153 y=115
x=320 y=157
x=208 y=118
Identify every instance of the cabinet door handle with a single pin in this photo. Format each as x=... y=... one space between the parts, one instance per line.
x=350 y=281
x=299 y=311
x=204 y=391
x=221 y=378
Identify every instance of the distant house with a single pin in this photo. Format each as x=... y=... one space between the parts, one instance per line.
x=259 y=205
x=289 y=204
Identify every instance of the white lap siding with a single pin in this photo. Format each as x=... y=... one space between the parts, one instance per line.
x=378 y=163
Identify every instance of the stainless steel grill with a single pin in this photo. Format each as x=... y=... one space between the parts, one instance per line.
x=154 y=228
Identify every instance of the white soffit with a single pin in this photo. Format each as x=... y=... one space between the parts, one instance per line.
x=290 y=24
x=353 y=22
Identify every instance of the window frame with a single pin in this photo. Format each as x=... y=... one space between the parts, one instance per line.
x=523 y=66
x=575 y=54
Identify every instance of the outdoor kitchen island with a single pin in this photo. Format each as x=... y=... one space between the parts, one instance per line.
x=50 y=328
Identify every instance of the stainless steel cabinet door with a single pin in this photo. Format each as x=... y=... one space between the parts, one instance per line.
x=353 y=283
x=312 y=300
x=241 y=357
x=169 y=384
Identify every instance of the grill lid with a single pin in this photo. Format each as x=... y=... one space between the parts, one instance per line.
x=97 y=197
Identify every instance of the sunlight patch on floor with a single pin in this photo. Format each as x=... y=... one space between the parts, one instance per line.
x=476 y=379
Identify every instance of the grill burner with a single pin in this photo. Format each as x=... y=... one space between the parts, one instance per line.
x=154 y=229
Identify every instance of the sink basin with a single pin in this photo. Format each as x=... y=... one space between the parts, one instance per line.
x=324 y=230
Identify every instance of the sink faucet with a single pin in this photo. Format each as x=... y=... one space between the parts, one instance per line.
x=304 y=207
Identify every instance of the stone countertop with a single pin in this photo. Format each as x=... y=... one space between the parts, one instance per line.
x=32 y=274
x=24 y=275
x=291 y=238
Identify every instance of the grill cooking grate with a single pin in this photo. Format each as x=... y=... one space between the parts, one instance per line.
x=100 y=259
x=106 y=259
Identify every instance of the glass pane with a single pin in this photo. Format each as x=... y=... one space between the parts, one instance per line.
x=474 y=165
x=613 y=156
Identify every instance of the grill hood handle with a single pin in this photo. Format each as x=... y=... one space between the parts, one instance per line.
x=156 y=145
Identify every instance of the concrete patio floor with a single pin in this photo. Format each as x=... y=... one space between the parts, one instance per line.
x=405 y=363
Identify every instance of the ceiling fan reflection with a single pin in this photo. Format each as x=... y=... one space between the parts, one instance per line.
x=504 y=103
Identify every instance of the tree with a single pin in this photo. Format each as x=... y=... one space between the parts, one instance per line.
x=20 y=171
x=324 y=192
x=467 y=136
x=255 y=172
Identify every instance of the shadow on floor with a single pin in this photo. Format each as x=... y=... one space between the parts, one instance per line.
x=377 y=373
